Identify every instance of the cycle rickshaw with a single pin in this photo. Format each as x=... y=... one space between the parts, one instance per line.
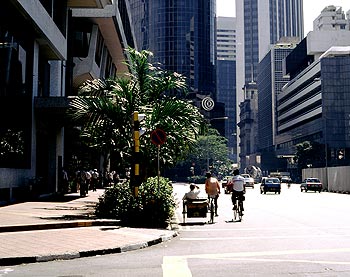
x=198 y=208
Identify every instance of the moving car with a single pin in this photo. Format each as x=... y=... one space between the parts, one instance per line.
x=271 y=184
x=286 y=179
x=225 y=184
x=311 y=183
x=248 y=181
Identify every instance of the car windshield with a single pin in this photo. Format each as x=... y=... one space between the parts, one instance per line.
x=272 y=180
x=245 y=176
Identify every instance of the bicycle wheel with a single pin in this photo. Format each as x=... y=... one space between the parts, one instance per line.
x=236 y=212
x=212 y=210
x=240 y=210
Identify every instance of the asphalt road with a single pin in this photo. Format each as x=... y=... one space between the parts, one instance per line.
x=292 y=233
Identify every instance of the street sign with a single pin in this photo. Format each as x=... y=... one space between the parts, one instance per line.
x=158 y=137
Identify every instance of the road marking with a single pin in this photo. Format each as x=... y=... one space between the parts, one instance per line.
x=175 y=266
x=194 y=229
x=265 y=237
x=178 y=266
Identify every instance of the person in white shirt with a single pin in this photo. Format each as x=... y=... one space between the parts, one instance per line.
x=238 y=189
x=193 y=193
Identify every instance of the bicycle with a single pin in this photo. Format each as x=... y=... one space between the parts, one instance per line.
x=238 y=211
x=211 y=208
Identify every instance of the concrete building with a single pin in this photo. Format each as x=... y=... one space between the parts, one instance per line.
x=261 y=24
x=314 y=105
x=48 y=48
x=248 y=126
x=226 y=79
x=331 y=18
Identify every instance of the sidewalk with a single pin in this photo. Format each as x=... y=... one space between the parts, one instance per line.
x=44 y=231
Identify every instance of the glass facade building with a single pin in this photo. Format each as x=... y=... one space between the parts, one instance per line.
x=181 y=35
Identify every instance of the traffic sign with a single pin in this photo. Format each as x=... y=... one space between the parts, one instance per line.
x=158 y=137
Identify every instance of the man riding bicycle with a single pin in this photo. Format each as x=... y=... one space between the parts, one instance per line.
x=238 y=189
x=212 y=188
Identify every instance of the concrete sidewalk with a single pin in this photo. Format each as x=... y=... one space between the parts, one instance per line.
x=66 y=229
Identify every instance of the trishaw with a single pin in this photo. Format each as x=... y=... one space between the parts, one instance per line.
x=197 y=208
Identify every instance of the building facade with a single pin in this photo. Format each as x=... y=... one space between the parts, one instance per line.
x=314 y=105
x=261 y=24
x=226 y=79
x=42 y=65
x=181 y=35
x=270 y=83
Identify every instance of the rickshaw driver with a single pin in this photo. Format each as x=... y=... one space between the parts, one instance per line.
x=212 y=188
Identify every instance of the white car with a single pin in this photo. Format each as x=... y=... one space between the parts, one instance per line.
x=248 y=181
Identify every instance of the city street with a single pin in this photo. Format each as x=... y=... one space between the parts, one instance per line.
x=292 y=233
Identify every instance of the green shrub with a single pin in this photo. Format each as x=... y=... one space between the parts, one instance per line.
x=153 y=207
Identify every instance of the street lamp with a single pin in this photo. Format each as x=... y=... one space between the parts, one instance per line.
x=207 y=142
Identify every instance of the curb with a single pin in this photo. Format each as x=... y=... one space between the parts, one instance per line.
x=83 y=254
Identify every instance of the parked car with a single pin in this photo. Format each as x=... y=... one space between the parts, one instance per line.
x=225 y=184
x=312 y=183
x=271 y=184
x=248 y=181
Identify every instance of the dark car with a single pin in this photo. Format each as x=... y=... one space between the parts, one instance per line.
x=270 y=184
x=313 y=184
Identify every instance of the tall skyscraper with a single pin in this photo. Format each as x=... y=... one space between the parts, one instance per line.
x=226 y=78
x=181 y=35
x=260 y=24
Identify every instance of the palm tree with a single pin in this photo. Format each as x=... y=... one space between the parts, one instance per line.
x=104 y=111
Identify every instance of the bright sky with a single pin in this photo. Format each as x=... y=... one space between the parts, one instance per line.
x=312 y=9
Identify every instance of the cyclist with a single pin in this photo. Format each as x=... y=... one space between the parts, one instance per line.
x=237 y=188
x=212 y=188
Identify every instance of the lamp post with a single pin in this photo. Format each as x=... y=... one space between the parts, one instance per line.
x=207 y=142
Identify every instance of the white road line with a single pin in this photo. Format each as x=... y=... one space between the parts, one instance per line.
x=178 y=266
x=314 y=236
x=175 y=266
x=194 y=229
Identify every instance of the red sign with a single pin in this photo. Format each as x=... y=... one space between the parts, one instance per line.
x=158 y=137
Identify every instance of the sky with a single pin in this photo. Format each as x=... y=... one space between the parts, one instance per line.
x=312 y=9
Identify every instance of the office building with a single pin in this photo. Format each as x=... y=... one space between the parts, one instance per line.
x=48 y=49
x=226 y=79
x=181 y=35
x=270 y=83
x=314 y=105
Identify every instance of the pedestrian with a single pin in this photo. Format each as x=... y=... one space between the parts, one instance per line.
x=65 y=181
x=94 y=180
x=212 y=188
